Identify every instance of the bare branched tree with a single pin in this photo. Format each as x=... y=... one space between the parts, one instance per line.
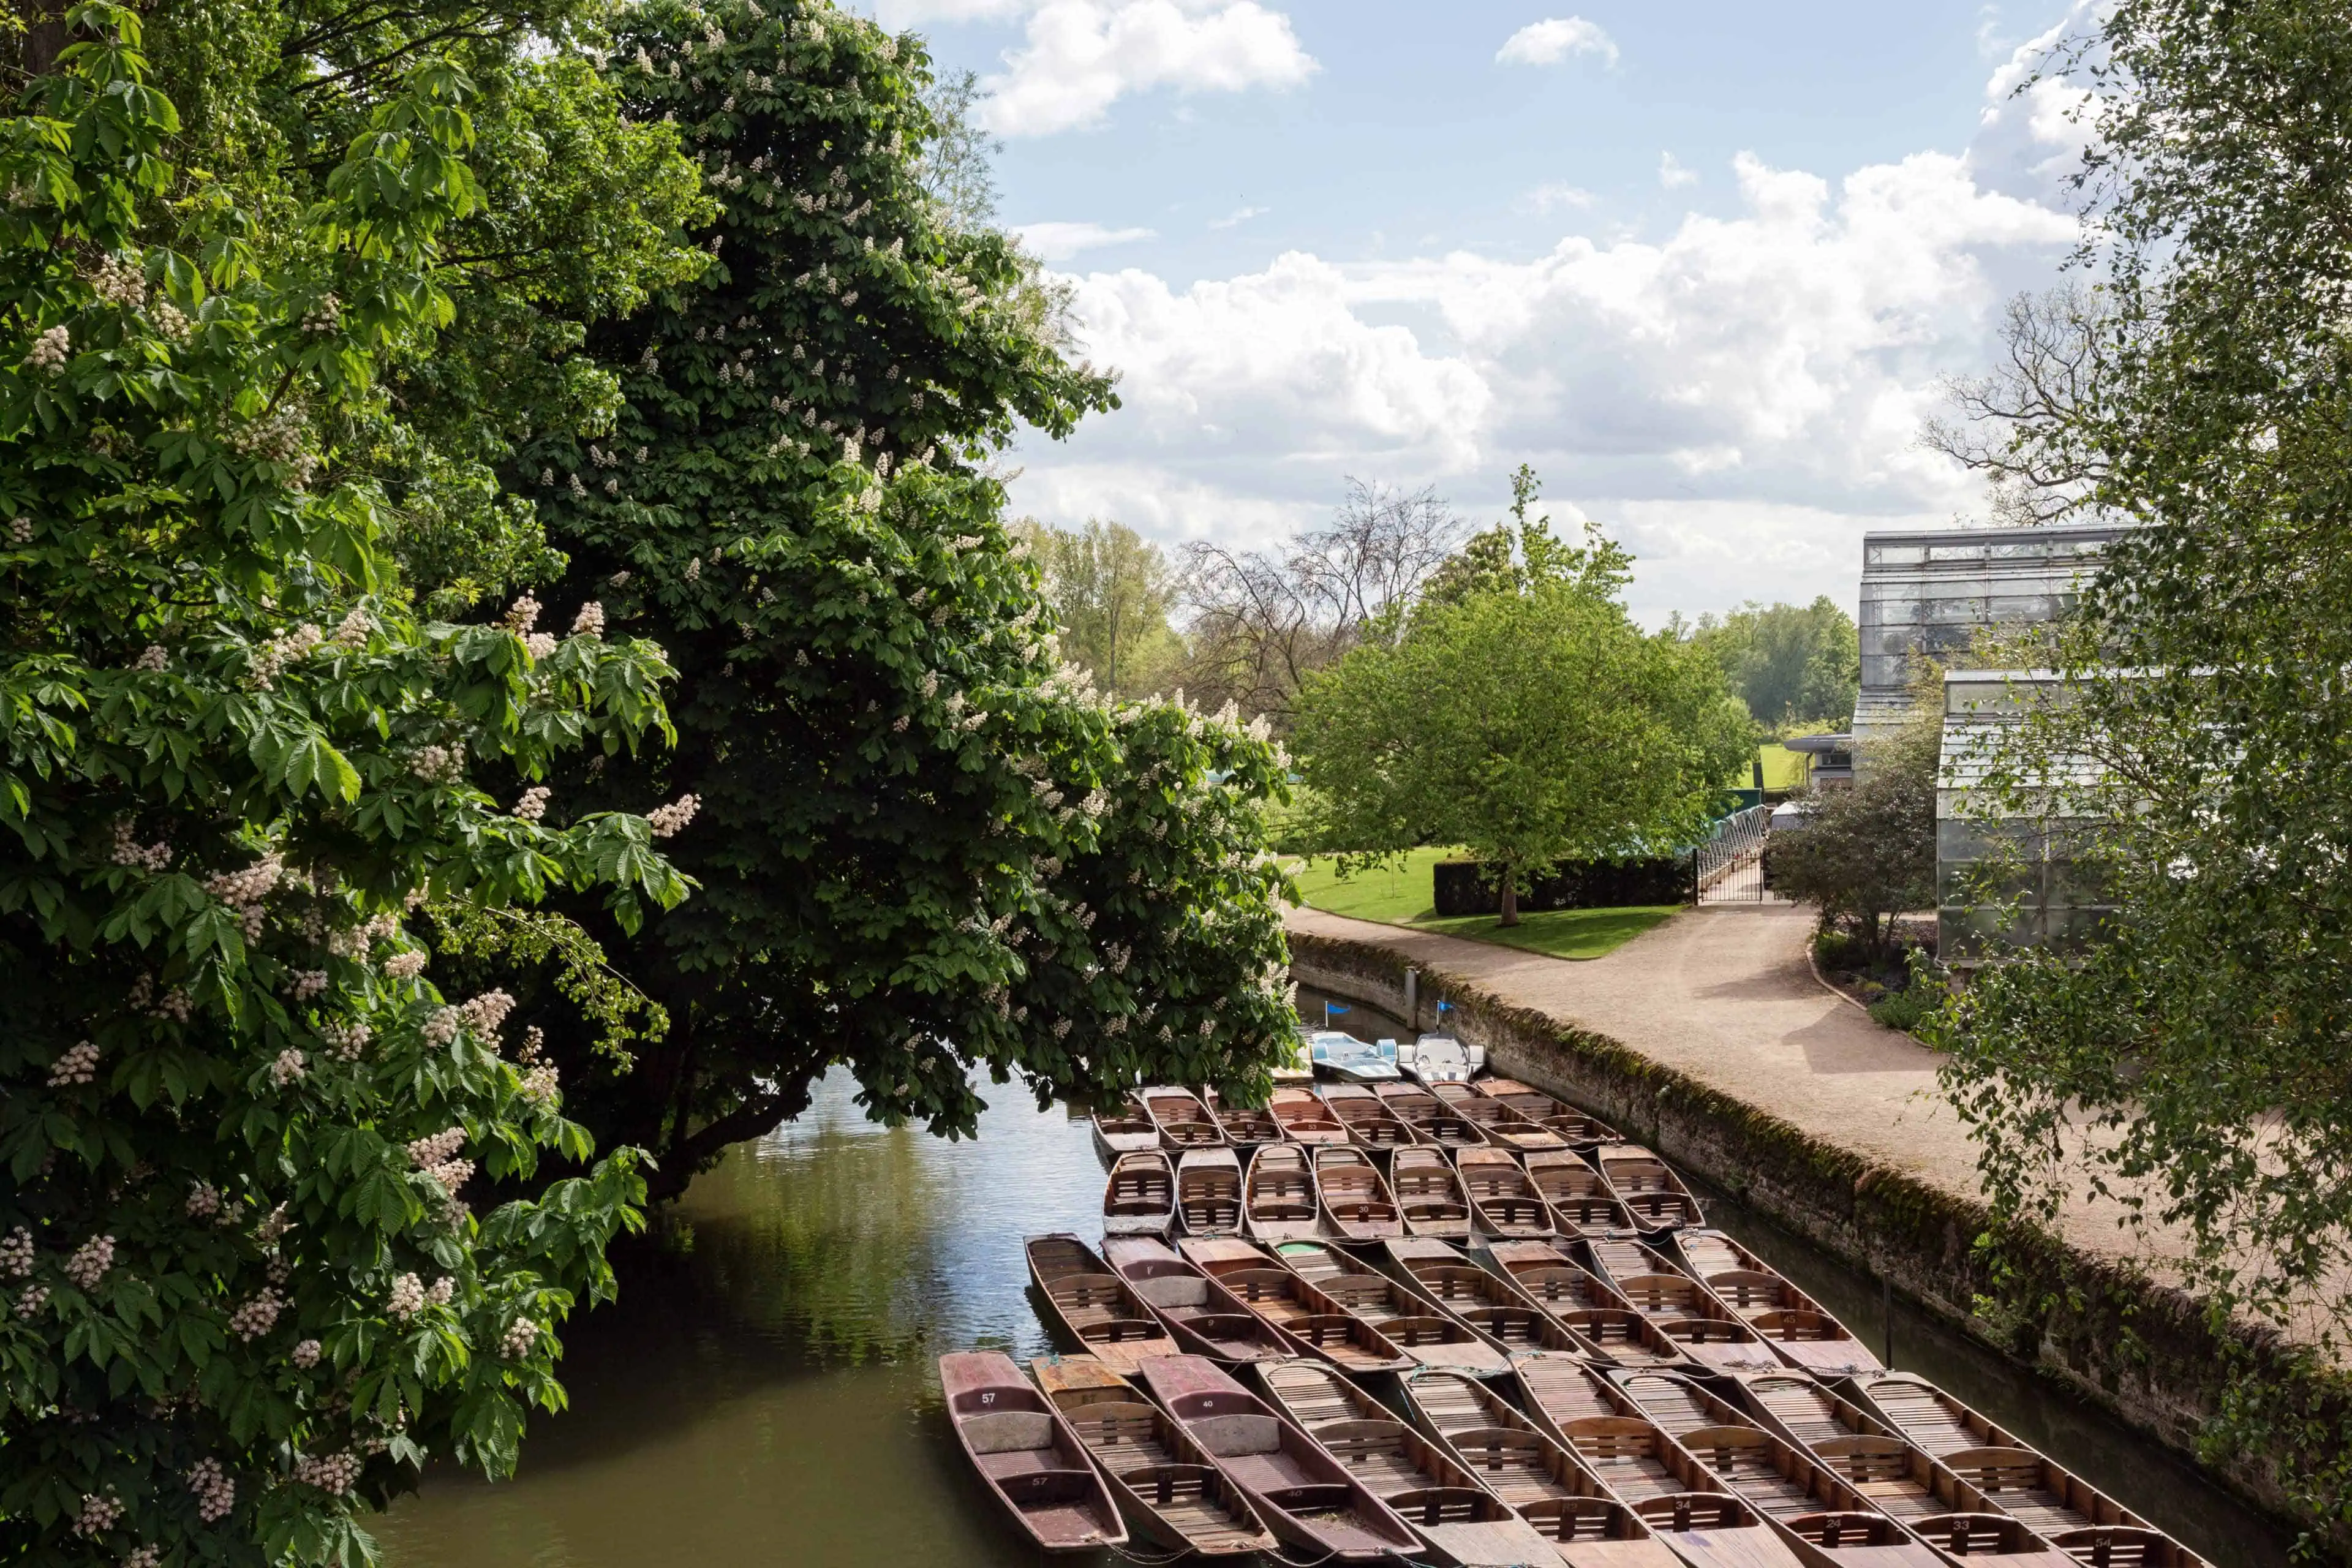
x=2025 y=425
x=1263 y=620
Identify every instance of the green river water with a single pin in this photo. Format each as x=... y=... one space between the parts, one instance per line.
x=763 y=1390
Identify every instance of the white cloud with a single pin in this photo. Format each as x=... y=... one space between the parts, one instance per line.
x=1554 y=39
x=1671 y=172
x=1554 y=196
x=1060 y=241
x=1080 y=56
x=1237 y=217
x=1277 y=366
x=1740 y=396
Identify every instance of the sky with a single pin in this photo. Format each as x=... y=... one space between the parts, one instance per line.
x=1705 y=264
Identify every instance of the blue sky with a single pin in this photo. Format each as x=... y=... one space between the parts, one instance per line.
x=1703 y=263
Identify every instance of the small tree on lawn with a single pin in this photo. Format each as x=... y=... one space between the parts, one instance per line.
x=1531 y=727
x=1867 y=852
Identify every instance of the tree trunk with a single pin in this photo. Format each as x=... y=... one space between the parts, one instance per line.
x=1510 y=897
x=44 y=37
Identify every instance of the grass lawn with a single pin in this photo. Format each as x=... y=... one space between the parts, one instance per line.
x=1399 y=895
x=1562 y=933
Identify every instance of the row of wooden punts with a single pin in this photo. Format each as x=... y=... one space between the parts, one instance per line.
x=1491 y=1114
x=1549 y=1374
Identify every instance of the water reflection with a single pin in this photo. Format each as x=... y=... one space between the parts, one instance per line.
x=764 y=1386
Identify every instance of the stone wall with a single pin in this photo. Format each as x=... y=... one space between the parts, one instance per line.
x=2139 y=1348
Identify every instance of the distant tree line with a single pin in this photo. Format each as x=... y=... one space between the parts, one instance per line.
x=1250 y=627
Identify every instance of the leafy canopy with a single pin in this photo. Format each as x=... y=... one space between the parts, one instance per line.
x=1530 y=726
x=245 y=1294
x=924 y=846
x=1795 y=666
x=2197 y=1060
x=1111 y=590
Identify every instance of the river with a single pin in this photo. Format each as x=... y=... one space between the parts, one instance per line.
x=763 y=1389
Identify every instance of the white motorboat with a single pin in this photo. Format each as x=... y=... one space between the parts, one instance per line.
x=1440 y=1059
x=1346 y=1058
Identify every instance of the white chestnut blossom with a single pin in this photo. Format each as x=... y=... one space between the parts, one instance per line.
x=16 y=1254
x=215 y=1493
x=98 y=1515
x=668 y=821
x=521 y=1336
x=347 y=1040
x=336 y=1473
x=258 y=1316
x=90 y=1261
x=76 y=1064
x=50 y=350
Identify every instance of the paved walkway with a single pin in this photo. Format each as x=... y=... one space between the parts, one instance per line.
x=1724 y=993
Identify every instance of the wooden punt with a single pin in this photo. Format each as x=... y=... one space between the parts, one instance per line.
x=1897 y=1477
x=1219 y=1256
x=1125 y=1128
x=1319 y=1325
x=1462 y=1521
x=1308 y=1498
x=1498 y=1124
x=1201 y=1315
x=1095 y=1306
x=1480 y=1300
x=1158 y=1476
x=1810 y=1505
x=1672 y=1402
x=1355 y=1203
x=1674 y=1496
x=1541 y=1483
x=1558 y=1389
x=1503 y=1202
x=1432 y=1120
x=2057 y=1505
x=1304 y=1118
x=1246 y=1126
x=1405 y=1317
x=1926 y=1415
x=1554 y=1280
x=1429 y=1196
x=1708 y=1332
x=1805 y=1411
x=1139 y=1199
x=1027 y=1455
x=1647 y=1187
x=1184 y=1122
x=1800 y=1329
x=1828 y=1540
x=1278 y=1195
x=1371 y=1123
x=1614 y=1332
x=1582 y=1203
x=1209 y=1191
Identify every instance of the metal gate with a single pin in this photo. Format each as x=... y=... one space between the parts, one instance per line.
x=1729 y=867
